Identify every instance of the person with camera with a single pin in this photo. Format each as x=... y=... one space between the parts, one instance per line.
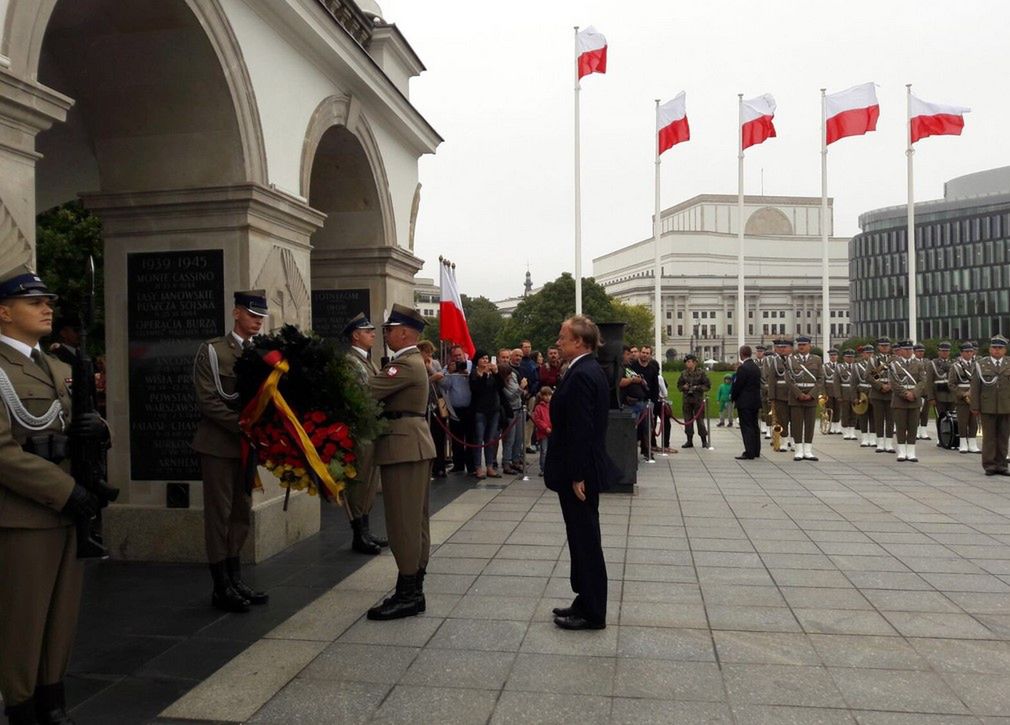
x=40 y=503
x=485 y=392
x=455 y=386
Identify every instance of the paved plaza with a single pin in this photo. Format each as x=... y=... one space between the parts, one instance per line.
x=854 y=589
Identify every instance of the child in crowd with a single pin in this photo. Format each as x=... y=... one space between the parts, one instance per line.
x=725 y=404
x=542 y=422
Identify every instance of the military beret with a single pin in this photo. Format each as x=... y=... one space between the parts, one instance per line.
x=849 y=352
x=802 y=340
x=904 y=345
x=884 y=341
x=403 y=315
x=254 y=300
x=943 y=346
x=23 y=282
x=358 y=322
x=998 y=341
x=690 y=356
x=967 y=345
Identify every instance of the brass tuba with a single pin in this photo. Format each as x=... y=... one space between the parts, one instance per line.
x=860 y=406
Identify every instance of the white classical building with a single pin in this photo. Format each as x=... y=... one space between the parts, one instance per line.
x=225 y=144
x=698 y=260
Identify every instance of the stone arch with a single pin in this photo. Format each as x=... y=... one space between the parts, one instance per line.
x=769 y=221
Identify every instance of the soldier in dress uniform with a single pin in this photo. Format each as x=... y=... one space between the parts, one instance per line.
x=40 y=574
x=831 y=391
x=694 y=384
x=922 y=430
x=938 y=392
x=805 y=375
x=990 y=401
x=778 y=389
x=404 y=454
x=862 y=370
x=880 y=396
x=227 y=501
x=906 y=376
x=762 y=360
x=360 y=495
x=845 y=392
x=959 y=382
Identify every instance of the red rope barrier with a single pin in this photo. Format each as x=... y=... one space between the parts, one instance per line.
x=496 y=441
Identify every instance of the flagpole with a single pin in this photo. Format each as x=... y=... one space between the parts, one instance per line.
x=740 y=321
x=910 y=236
x=657 y=273
x=578 y=190
x=825 y=300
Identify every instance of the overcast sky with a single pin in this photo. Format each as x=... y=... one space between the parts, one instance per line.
x=499 y=88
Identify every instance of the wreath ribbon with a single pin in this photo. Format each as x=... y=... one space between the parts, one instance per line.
x=269 y=393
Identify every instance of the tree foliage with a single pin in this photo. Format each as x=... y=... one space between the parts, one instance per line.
x=639 y=330
x=482 y=317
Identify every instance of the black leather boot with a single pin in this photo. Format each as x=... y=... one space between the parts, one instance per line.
x=367 y=533
x=22 y=713
x=421 y=605
x=51 y=705
x=403 y=603
x=234 y=567
x=225 y=597
x=361 y=544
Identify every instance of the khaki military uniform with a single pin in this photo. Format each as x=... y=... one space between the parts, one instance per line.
x=805 y=377
x=778 y=392
x=906 y=376
x=227 y=503
x=360 y=494
x=831 y=392
x=959 y=383
x=990 y=398
x=404 y=454
x=880 y=401
x=765 y=402
x=862 y=385
x=694 y=384
x=938 y=387
x=845 y=395
x=40 y=575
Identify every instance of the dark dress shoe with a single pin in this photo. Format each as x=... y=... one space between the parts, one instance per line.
x=234 y=569
x=50 y=705
x=689 y=444
x=22 y=714
x=1003 y=472
x=403 y=603
x=991 y=473
x=563 y=611
x=225 y=597
x=576 y=621
x=744 y=457
x=366 y=531
x=359 y=542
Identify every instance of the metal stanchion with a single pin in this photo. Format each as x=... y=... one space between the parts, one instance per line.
x=522 y=412
x=648 y=438
x=661 y=435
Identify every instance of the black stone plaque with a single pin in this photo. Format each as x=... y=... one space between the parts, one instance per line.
x=175 y=301
x=334 y=308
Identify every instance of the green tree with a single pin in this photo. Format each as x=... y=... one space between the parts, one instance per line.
x=484 y=320
x=639 y=329
x=538 y=317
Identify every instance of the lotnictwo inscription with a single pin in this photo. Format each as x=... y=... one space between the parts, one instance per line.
x=175 y=301
x=333 y=308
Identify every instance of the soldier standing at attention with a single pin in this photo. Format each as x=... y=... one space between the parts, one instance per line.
x=762 y=361
x=845 y=395
x=959 y=382
x=906 y=376
x=404 y=455
x=805 y=375
x=938 y=392
x=880 y=396
x=694 y=384
x=831 y=391
x=778 y=389
x=227 y=502
x=360 y=495
x=922 y=430
x=40 y=574
x=864 y=387
x=990 y=400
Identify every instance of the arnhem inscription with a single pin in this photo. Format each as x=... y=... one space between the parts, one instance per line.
x=333 y=308
x=175 y=301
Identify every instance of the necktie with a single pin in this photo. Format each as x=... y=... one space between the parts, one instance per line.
x=40 y=360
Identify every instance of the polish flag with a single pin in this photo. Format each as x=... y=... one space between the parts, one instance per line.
x=592 y=52
x=672 y=122
x=757 y=120
x=935 y=119
x=852 y=112
x=452 y=320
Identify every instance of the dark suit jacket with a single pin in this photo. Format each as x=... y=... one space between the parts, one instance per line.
x=577 y=449
x=746 y=390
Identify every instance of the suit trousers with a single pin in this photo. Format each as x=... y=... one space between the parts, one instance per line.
x=585 y=547
x=749 y=431
x=967 y=424
x=405 y=488
x=39 y=601
x=995 y=432
x=360 y=495
x=906 y=421
x=883 y=422
x=227 y=507
x=782 y=415
x=802 y=419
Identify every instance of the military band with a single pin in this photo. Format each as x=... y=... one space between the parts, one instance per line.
x=906 y=379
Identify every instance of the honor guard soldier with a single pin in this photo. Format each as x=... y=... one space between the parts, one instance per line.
x=906 y=376
x=404 y=455
x=694 y=384
x=845 y=395
x=227 y=501
x=360 y=495
x=805 y=376
x=778 y=390
x=831 y=391
x=880 y=396
x=40 y=574
x=922 y=430
x=761 y=360
x=938 y=392
x=959 y=382
x=990 y=400
x=863 y=405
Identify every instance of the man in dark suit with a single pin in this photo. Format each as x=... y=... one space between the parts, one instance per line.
x=746 y=395
x=578 y=468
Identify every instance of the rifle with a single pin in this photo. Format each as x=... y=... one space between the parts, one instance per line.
x=88 y=456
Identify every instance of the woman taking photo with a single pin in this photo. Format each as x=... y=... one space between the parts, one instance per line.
x=485 y=403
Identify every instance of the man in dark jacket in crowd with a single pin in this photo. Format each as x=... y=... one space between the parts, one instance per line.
x=746 y=395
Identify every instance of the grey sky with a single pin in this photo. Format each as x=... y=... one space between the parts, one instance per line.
x=499 y=89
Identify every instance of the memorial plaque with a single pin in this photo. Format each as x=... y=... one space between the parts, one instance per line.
x=175 y=301
x=334 y=308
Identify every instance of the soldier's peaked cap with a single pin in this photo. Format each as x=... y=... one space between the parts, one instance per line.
x=760 y=348
x=918 y=346
x=403 y=315
x=943 y=346
x=23 y=282
x=967 y=345
x=849 y=352
x=802 y=340
x=833 y=351
x=254 y=300
x=883 y=341
x=905 y=345
x=998 y=341
x=866 y=348
x=358 y=322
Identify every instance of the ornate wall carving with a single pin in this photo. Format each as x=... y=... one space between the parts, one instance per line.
x=14 y=245
x=287 y=293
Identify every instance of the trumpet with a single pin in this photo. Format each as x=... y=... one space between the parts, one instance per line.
x=826 y=413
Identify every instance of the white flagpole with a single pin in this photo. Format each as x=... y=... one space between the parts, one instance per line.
x=825 y=300
x=910 y=236
x=657 y=273
x=578 y=189
x=740 y=320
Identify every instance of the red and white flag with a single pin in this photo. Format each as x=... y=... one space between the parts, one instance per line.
x=935 y=119
x=757 y=120
x=671 y=123
x=592 y=51
x=852 y=112
x=452 y=320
